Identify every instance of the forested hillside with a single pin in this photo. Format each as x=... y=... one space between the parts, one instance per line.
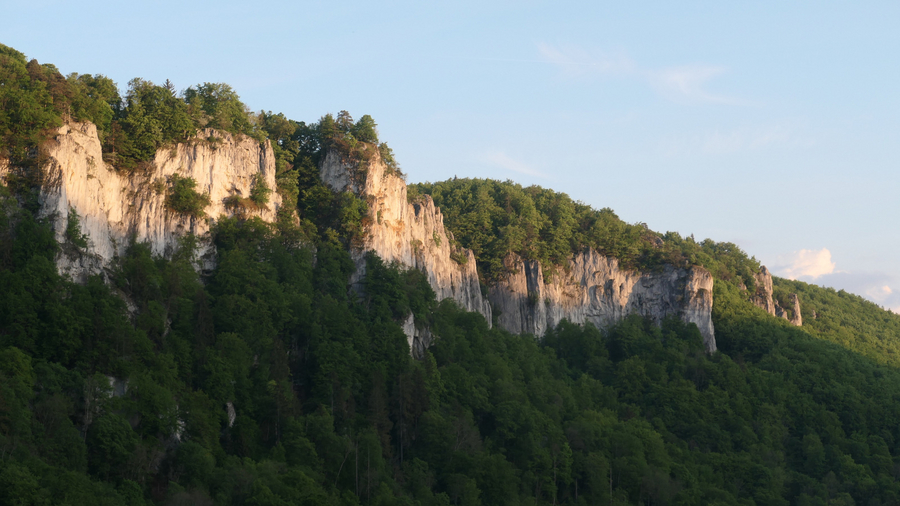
x=494 y=218
x=267 y=382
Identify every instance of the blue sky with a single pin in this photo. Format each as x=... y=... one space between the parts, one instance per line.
x=774 y=125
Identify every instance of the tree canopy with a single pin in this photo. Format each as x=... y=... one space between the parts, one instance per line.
x=495 y=218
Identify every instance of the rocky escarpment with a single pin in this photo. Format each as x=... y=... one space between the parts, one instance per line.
x=763 y=299
x=410 y=233
x=594 y=288
x=115 y=208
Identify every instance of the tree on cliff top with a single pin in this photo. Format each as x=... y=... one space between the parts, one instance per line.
x=217 y=105
x=26 y=107
x=496 y=218
x=151 y=117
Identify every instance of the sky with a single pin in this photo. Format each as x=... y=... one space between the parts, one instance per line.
x=772 y=125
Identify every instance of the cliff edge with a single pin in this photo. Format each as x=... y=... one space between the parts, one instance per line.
x=116 y=207
x=410 y=233
x=594 y=288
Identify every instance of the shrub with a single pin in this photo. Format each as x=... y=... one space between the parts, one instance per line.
x=260 y=191
x=74 y=236
x=183 y=198
x=387 y=156
x=234 y=203
x=459 y=257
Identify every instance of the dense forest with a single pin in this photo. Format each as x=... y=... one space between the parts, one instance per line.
x=267 y=382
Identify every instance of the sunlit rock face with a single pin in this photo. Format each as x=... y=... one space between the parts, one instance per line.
x=409 y=233
x=593 y=288
x=794 y=316
x=115 y=208
x=763 y=296
x=763 y=299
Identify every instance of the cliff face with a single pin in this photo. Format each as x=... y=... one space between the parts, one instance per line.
x=763 y=299
x=114 y=207
x=595 y=289
x=411 y=234
x=763 y=296
x=794 y=316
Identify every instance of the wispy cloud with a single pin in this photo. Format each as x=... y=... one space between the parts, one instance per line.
x=576 y=60
x=504 y=161
x=680 y=83
x=689 y=83
x=724 y=142
x=805 y=263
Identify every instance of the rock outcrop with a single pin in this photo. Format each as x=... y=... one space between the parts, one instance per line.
x=409 y=233
x=763 y=299
x=593 y=288
x=794 y=316
x=115 y=208
x=763 y=296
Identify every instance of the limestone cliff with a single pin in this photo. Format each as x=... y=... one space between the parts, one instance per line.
x=115 y=207
x=763 y=296
x=593 y=288
x=410 y=233
x=794 y=316
x=763 y=299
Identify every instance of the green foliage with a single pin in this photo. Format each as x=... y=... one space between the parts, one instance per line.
x=390 y=162
x=330 y=406
x=351 y=213
x=95 y=99
x=182 y=197
x=845 y=319
x=151 y=117
x=28 y=107
x=402 y=292
x=259 y=191
x=365 y=130
x=494 y=218
x=356 y=142
x=216 y=105
x=103 y=402
x=73 y=231
x=112 y=442
x=282 y=133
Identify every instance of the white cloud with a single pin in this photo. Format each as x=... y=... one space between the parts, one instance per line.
x=681 y=83
x=687 y=82
x=873 y=285
x=805 y=264
x=885 y=290
x=504 y=161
